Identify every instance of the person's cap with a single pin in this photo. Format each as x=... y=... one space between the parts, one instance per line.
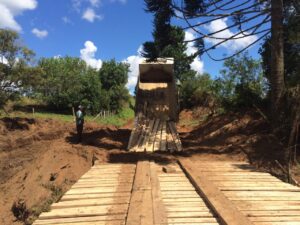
x=80 y=106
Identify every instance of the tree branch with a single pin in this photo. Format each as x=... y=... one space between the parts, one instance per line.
x=238 y=52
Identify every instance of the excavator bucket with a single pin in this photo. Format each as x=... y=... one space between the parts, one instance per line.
x=156 y=108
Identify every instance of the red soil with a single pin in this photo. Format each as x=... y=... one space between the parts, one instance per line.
x=39 y=157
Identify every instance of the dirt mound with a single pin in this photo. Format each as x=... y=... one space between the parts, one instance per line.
x=236 y=136
x=43 y=157
x=20 y=132
x=11 y=124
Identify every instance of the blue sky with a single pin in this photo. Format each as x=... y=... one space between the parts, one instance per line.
x=96 y=30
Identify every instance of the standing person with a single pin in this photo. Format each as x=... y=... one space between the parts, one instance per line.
x=79 y=122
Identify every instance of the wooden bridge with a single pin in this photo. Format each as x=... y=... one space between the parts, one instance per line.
x=183 y=193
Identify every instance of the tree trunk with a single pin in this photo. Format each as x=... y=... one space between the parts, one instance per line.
x=277 y=58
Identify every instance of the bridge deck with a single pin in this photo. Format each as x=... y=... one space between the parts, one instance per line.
x=190 y=193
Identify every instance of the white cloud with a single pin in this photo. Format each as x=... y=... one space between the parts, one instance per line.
x=76 y=5
x=66 y=20
x=133 y=62
x=197 y=65
x=40 y=33
x=95 y=3
x=90 y=15
x=231 y=45
x=3 y=60
x=9 y=9
x=88 y=55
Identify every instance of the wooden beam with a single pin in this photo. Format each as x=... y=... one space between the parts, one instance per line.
x=140 y=210
x=147 y=135
x=157 y=139
x=152 y=136
x=163 y=141
x=224 y=208
x=159 y=212
x=174 y=133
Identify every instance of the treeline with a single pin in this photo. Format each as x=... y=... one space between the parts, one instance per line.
x=240 y=84
x=62 y=82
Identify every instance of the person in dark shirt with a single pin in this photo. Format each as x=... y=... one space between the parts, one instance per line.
x=79 y=122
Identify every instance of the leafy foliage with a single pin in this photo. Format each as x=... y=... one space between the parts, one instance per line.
x=197 y=92
x=16 y=72
x=69 y=82
x=114 y=76
x=242 y=83
x=193 y=7
x=168 y=40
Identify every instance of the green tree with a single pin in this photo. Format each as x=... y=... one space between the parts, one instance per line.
x=242 y=82
x=68 y=82
x=168 y=40
x=197 y=92
x=247 y=18
x=291 y=47
x=16 y=71
x=114 y=76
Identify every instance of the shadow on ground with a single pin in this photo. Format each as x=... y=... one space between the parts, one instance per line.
x=104 y=138
x=239 y=136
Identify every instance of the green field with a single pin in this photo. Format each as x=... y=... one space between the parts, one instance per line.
x=118 y=120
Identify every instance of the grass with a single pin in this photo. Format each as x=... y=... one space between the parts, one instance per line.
x=118 y=120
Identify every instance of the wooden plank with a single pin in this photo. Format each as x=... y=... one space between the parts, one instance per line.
x=116 y=222
x=264 y=213
x=238 y=174
x=193 y=220
x=152 y=136
x=170 y=142
x=278 y=223
x=187 y=209
x=157 y=139
x=253 y=183
x=273 y=199
x=95 y=185
x=242 y=178
x=225 y=210
x=137 y=147
x=262 y=193
x=140 y=210
x=189 y=214
x=147 y=135
x=89 y=202
x=275 y=218
x=283 y=189
x=80 y=219
x=163 y=141
x=85 y=211
x=96 y=190
x=193 y=224
x=67 y=197
x=159 y=213
x=105 y=182
x=175 y=136
x=134 y=135
x=185 y=204
x=181 y=199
